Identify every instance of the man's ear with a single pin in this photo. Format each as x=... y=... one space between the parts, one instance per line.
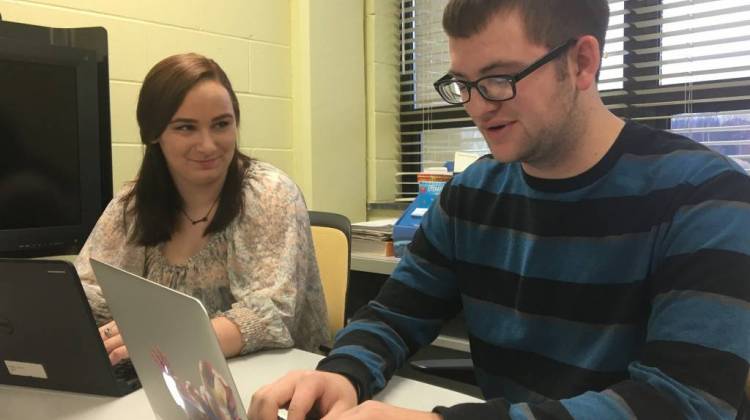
x=586 y=61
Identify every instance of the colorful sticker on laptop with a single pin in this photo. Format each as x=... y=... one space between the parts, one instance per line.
x=213 y=399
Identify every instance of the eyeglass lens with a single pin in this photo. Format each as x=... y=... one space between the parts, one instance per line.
x=492 y=88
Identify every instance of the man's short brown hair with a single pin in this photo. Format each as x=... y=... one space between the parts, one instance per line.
x=547 y=22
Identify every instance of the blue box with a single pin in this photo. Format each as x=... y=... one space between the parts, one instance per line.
x=430 y=186
x=404 y=229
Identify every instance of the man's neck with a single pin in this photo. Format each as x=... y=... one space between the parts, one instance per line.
x=596 y=134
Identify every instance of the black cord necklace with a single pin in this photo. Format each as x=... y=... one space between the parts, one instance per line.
x=202 y=219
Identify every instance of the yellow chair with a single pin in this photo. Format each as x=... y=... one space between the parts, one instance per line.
x=332 y=238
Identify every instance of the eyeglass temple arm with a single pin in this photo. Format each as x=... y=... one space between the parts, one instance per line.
x=544 y=60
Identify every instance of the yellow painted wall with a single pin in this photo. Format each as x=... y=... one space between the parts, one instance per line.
x=315 y=80
x=250 y=39
x=329 y=112
x=382 y=66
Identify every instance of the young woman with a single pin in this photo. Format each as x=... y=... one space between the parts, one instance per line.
x=204 y=219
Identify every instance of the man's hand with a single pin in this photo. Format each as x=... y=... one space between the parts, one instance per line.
x=325 y=394
x=113 y=343
x=375 y=410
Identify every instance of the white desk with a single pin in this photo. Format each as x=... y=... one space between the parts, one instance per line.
x=250 y=372
x=373 y=263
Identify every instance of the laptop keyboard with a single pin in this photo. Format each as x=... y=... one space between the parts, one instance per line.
x=125 y=373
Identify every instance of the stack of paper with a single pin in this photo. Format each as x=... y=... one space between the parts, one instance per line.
x=373 y=237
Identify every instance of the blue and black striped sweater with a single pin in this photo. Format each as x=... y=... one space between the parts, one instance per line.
x=621 y=292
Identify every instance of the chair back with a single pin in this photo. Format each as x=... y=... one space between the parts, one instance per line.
x=332 y=235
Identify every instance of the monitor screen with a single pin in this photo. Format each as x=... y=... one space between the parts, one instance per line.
x=39 y=165
x=55 y=155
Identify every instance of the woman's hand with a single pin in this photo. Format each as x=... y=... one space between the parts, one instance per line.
x=228 y=334
x=113 y=343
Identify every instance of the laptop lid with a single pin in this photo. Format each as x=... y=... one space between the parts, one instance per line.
x=172 y=345
x=48 y=336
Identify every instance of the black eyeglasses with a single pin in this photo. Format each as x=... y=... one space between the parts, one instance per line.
x=492 y=88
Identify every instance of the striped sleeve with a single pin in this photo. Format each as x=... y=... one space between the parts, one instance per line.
x=694 y=360
x=697 y=346
x=694 y=363
x=406 y=315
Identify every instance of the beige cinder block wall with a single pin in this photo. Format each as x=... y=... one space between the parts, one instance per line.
x=382 y=64
x=249 y=39
x=301 y=85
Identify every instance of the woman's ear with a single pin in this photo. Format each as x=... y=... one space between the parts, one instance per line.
x=587 y=61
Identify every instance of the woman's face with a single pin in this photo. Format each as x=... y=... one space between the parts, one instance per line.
x=200 y=139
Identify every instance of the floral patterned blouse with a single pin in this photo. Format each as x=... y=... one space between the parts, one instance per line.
x=260 y=272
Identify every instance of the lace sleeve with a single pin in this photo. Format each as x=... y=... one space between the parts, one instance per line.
x=272 y=268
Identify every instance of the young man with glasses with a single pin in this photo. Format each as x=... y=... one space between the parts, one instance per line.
x=602 y=266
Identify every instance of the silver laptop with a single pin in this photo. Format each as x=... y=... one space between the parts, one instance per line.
x=173 y=347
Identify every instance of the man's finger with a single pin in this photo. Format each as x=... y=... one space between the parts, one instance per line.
x=268 y=399
x=308 y=391
x=337 y=411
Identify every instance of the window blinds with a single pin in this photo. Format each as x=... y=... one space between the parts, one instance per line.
x=662 y=58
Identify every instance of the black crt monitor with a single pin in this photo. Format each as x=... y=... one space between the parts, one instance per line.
x=55 y=169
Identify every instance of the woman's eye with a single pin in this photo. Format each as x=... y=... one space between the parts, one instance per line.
x=222 y=124
x=184 y=127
